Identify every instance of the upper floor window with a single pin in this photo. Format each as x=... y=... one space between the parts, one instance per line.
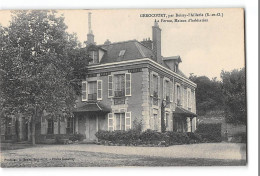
x=155 y=86
x=119 y=85
x=178 y=95
x=91 y=90
x=94 y=56
x=189 y=100
x=167 y=90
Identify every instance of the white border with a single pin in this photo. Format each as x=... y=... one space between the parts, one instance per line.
x=252 y=80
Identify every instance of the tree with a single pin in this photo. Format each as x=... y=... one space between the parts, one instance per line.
x=234 y=90
x=209 y=94
x=42 y=64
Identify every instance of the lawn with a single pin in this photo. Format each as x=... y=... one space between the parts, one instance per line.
x=112 y=156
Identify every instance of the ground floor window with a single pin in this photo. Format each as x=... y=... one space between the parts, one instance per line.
x=50 y=128
x=166 y=119
x=120 y=121
x=69 y=129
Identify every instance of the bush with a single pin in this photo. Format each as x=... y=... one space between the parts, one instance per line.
x=76 y=137
x=210 y=132
x=240 y=137
x=148 y=137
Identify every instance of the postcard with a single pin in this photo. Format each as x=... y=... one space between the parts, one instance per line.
x=125 y=87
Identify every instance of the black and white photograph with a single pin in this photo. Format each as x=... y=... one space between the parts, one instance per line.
x=123 y=88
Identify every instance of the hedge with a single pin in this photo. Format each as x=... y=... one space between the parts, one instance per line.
x=210 y=132
x=148 y=137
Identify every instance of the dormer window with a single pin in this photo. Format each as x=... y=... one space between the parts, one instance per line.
x=121 y=53
x=94 y=56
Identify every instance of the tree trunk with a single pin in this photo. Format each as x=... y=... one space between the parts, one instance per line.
x=33 y=132
x=29 y=131
x=33 y=125
x=59 y=125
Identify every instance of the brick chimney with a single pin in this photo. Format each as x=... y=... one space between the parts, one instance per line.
x=90 y=35
x=157 y=41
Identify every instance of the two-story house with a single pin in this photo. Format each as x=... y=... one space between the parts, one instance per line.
x=127 y=84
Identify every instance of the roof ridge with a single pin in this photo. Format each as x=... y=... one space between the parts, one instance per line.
x=134 y=40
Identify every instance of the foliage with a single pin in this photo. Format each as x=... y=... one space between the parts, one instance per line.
x=210 y=132
x=76 y=137
x=36 y=54
x=148 y=137
x=234 y=90
x=209 y=94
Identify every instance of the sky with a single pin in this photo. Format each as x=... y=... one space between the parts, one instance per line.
x=205 y=48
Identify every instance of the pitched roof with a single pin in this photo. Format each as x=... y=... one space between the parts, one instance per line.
x=184 y=112
x=92 y=107
x=133 y=50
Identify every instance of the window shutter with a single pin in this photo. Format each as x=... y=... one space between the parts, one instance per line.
x=110 y=122
x=176 y=94
x=127 y=120
x=171 y=91
x=128 y=84
x=159 y=87
x=84 y=91
x=164 y=90
x=151 y=84
x=110 y=86
x=99 y=89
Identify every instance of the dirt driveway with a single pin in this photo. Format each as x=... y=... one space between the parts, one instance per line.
x=98 y=155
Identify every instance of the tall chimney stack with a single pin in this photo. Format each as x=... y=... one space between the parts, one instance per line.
x=90 y=36
x=157 y=42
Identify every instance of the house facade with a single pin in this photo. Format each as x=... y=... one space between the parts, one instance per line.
x=129 y=85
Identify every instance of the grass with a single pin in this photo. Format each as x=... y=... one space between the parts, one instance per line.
x=97 y=159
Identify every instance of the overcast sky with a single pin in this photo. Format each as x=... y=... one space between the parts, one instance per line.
x=205 y=47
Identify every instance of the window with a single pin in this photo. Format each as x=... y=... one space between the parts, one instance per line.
x=119 y=85
x=166 y=119
x=94 y=56
x=110 y=86
x=155 y=86
x=167 y=90
x=84 y=90
x=110 y=122
x=69 y=129
x=189 y=102
x=50 y=128
x=178 y=95
x=92 y=90
x=99 y=89
x=120 y=121
x=121 y=53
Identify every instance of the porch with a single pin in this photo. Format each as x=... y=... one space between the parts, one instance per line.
x=90 y=118
x=184 y=120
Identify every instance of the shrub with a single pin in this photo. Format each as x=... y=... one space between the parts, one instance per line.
x=148 y=137
x=240 y=137
x=76 y=137
x=197 y=138
x=210 y=132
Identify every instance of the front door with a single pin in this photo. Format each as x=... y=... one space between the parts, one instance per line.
x=91 y=127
